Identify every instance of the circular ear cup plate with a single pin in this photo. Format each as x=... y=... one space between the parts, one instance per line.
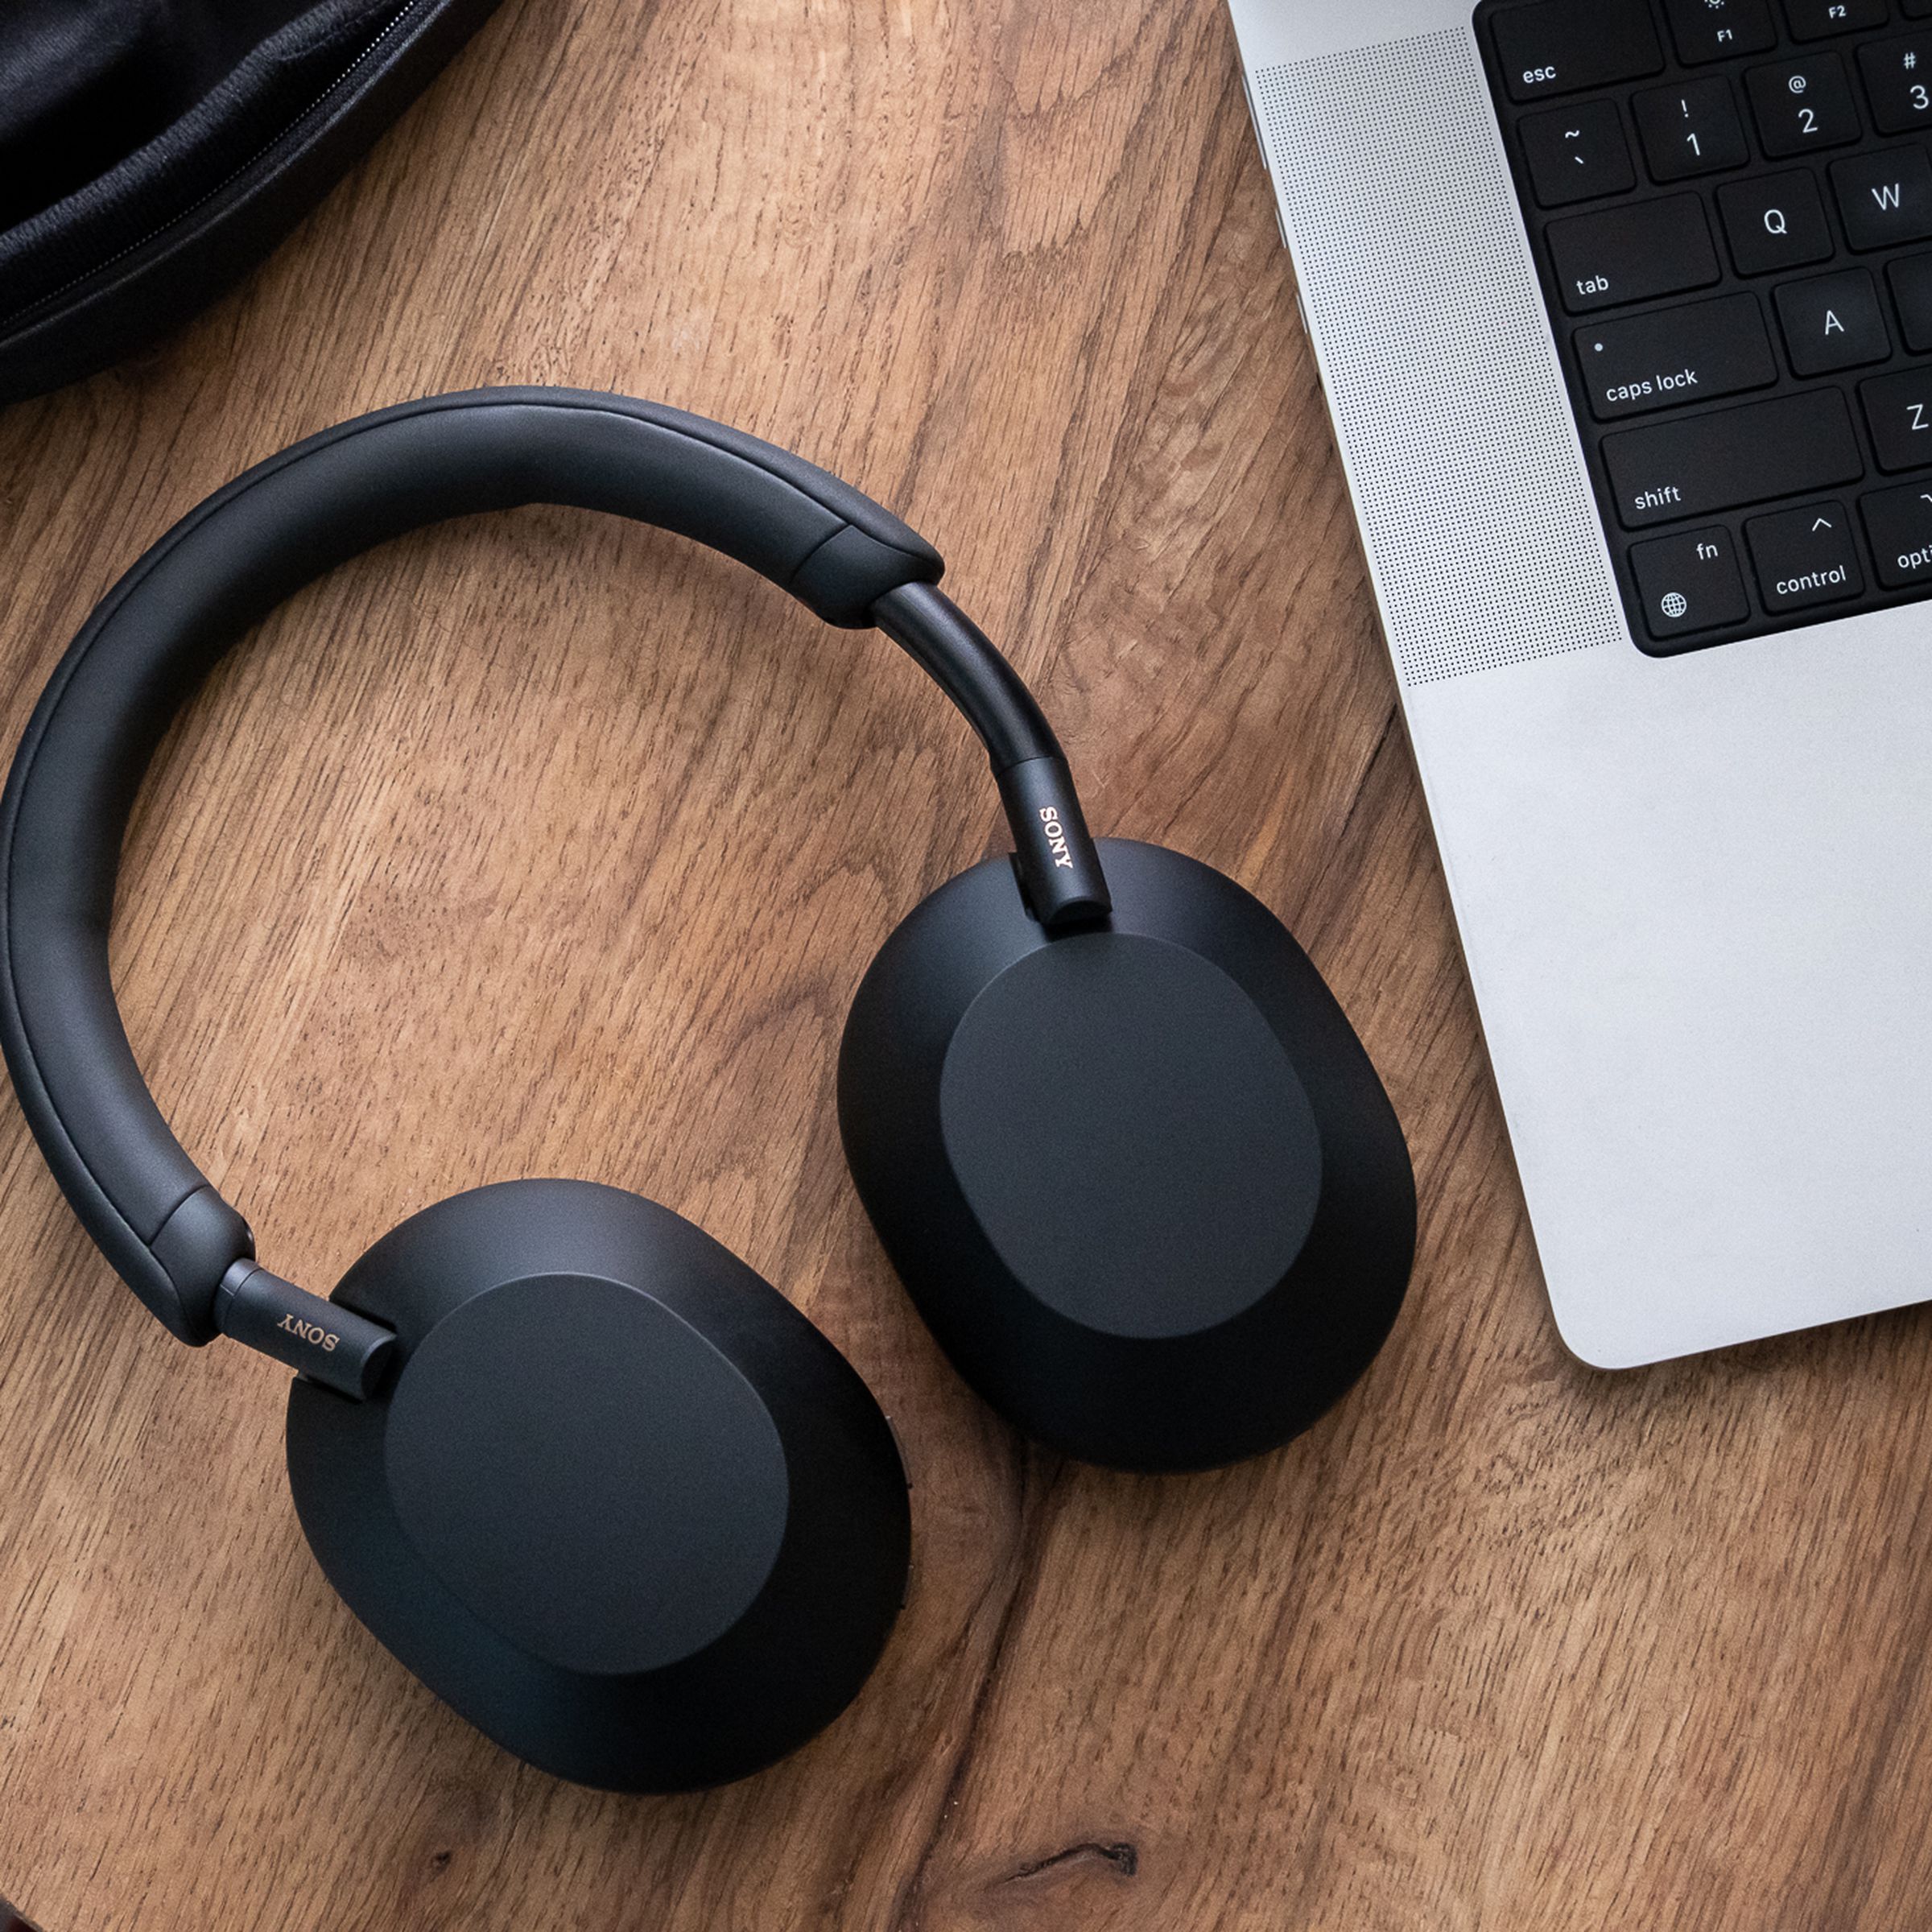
x=622 y=1506
x=1141 y=1178
x=587 y=1472
x=1130 y=1135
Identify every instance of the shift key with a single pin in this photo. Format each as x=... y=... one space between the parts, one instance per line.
x=1692 y=466
x=1630 y=254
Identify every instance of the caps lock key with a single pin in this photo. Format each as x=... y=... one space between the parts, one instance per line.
x=1701 y=351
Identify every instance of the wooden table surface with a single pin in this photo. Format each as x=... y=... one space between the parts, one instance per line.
x=545 y=844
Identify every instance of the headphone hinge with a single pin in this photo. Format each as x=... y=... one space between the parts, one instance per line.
x=320 y=1339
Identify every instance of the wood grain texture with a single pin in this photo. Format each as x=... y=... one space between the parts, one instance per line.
x=545 y=844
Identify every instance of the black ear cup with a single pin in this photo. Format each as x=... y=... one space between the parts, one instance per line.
x=622 y=1506
x=1140 y=1178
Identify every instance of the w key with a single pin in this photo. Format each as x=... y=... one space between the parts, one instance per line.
x=1884 y=197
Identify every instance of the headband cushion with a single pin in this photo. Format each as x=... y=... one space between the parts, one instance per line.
x=219 y=570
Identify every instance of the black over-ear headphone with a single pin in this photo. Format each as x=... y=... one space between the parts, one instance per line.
x=593 y=1481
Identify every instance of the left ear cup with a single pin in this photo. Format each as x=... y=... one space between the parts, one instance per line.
x=1139 y=1178
x=621 y=1505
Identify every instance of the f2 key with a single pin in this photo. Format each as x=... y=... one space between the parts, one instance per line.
x=1817 y=19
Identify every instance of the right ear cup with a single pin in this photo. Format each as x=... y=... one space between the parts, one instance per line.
x=621 y=1505
x=1138 y=1175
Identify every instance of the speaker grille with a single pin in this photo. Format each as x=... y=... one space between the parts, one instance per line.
x=1468 y=477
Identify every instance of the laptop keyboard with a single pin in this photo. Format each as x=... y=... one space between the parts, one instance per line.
x=1731 y=206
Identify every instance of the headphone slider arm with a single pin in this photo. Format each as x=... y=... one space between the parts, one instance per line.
x=1054 y=851
x=322 y=1340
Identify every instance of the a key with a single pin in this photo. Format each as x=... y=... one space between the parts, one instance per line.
x=1804 y=557
x=1712 y=30
x=1898 y=82
x=1884 y=198
x=1575 y=153
x=1690 y=129
x=1833 y=322
x=1898 y=523
x=1787 y=446
x=1672 y=356
x=1899 y=410
x=1555 y=47
x=1911 y=279
x=1689 y=584
x=1815 y=19
x=1777 y=221
x=1802 y=105
x=1630 y=254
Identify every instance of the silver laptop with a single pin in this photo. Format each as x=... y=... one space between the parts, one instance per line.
x=1624 y=309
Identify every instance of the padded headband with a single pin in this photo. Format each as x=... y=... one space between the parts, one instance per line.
x=145 y=649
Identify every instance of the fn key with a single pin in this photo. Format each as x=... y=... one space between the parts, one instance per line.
x=1689 y=584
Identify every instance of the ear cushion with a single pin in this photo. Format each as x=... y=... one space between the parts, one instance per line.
x=622 y=1506
x=1141 y=1179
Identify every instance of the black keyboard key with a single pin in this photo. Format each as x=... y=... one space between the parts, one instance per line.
x=1776 y=221
x=1917 y=9
x=1712 y=30
x=1555 y=47
x=1630 y=254
x=1911 y=279
x=1899 y=523
x=1687 y=467
x=1815 y=19
x=1689 y=584
x=1576 y=153
x=1898 y=74
x=1884 y=198
x=1899 y=409
x=1802 y=105
x=1691 y=130
x=1700 y=351
x=1833 y=322
x=1804 y=557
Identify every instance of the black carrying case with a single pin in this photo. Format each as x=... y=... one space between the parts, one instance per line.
x=152 y=151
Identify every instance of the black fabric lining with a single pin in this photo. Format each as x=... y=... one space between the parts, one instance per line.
x=263 y=100
x=84 y=82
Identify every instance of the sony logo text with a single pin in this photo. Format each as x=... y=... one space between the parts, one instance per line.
x=312 y=1332
x=1056 y=838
